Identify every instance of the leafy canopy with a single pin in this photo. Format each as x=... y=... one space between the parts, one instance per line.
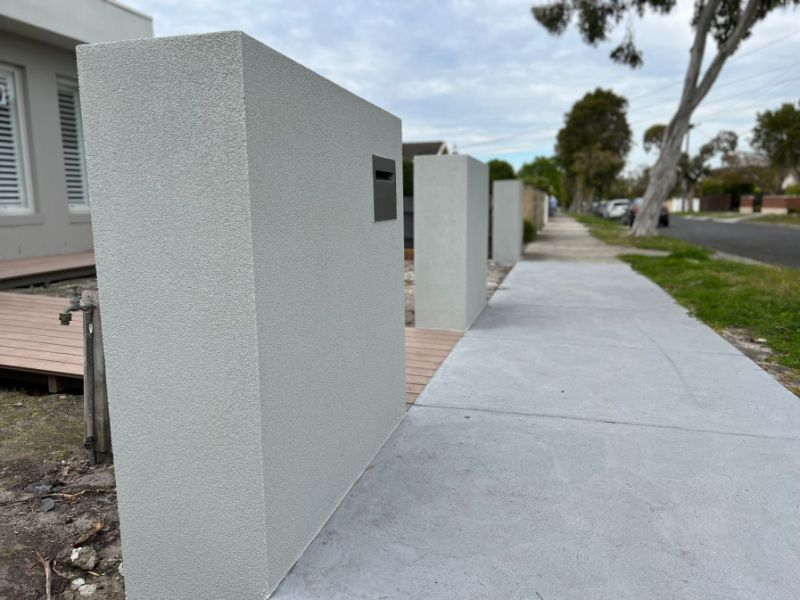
x=544 y=173
x=597 y=20
x=595 y=139
x=777 y=135
x=499 y=169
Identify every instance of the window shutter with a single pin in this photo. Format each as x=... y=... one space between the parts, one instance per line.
x=69 y=109
x=13 y=193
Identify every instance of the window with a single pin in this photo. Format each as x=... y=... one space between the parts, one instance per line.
x=69 y=110
x=14 y=182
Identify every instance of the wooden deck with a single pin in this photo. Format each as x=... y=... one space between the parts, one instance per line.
x=44 y=269
x=33 y=341
x=426 y=350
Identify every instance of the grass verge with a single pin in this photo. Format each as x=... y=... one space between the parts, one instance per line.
x=763 y=300
x=790 y=219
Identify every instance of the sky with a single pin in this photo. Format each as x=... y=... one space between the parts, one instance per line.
x=486 y=78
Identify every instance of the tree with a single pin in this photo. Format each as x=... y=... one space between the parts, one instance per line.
x=654 y=138
x=777 y=135
x=544 y=173
x=499 y=169
x=593 y=144
x=727 y=21
x=692 y=169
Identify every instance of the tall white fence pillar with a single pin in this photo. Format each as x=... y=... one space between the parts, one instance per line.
x=249 y=259
x=451 y=214
x=506 y=221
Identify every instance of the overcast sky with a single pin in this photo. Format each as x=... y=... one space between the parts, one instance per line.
x=484 y=76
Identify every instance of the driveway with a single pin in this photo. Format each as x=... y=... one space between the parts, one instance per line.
x=777 y=245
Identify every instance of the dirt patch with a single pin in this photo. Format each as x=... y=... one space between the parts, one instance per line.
x=759 y=352
x=52 y=500
x=494 y=277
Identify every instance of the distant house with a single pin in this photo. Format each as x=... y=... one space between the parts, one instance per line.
x=412 y=149
x=44 y=202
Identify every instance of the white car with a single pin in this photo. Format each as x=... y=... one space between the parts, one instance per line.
x=614 y=209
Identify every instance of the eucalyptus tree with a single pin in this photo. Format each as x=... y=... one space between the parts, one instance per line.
x=727 y=22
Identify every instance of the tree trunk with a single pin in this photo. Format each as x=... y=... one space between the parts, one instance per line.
x=662 y=177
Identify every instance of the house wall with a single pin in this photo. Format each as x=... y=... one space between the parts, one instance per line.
x=270 y=367
x=68 y=22
x=51 y=229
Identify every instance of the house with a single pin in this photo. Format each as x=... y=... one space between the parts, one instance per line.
x=412 y=149
x=44 y=203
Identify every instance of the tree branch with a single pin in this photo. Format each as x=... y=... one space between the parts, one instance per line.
x=746 y=21
x=698 y=51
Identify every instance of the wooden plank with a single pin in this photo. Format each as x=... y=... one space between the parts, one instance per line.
x=43 y=347
x=25 y=267
x=55 y=331
x=50 y=367
x=39 y=355
x=24 y=336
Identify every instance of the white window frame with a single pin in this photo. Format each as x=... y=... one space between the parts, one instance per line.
x=29 y=206
x=72 y=84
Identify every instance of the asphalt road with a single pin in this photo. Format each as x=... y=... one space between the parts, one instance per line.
x=766 y=243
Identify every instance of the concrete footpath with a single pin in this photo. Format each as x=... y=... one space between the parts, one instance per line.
x=586 y=439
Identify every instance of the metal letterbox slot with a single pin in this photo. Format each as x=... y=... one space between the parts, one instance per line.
x=384 y=188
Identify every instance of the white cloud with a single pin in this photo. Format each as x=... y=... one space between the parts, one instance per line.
x=483 y=75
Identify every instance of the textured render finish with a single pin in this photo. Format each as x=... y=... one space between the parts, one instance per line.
x=506 y=221
x=581 y=469
x=269 y=371
x=451 y=214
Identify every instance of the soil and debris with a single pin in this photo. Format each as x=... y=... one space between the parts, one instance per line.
x=494 y=277
x=58 y=515
x=69 y=288
x=759 y=352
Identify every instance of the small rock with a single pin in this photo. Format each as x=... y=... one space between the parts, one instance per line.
x=17 y=404
x=760 y=340
x=47 y=505
x=84 y=558
x=87 y=589
x=77 y=582
x=119 y=568
x=62 y=397
x=40 y=487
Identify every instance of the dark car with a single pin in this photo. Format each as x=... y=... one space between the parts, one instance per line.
x=630 y=215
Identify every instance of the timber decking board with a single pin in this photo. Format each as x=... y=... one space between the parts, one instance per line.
x=33 y=340
x=426 y=350
x=40 y=269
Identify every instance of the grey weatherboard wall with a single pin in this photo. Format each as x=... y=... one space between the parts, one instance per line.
x=506 y=221
x=252 y=307
x=39 y=37
x=451 y=214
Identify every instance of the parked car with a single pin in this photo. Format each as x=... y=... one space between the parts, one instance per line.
x=615 y=209
x=630 y=215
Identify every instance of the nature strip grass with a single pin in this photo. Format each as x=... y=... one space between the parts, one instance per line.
x=764 y=300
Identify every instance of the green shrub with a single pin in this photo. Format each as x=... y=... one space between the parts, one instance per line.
x=793 y=190
x=528 y=231
x=711 y=187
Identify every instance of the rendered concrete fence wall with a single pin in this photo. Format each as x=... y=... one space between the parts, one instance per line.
x=506 y=221
x=451 y=214
x=252 y=306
